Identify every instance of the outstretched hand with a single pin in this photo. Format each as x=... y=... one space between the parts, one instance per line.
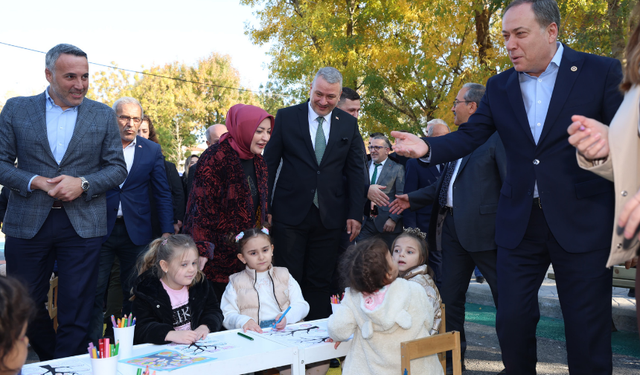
x=589 y=136
x=409 y=145
x=400 y=204
x=376 y=195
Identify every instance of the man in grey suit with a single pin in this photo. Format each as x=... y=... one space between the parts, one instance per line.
x=465 y=202
x=389 y=175
x=69 y=154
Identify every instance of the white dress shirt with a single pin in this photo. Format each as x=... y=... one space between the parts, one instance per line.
x=129 y=153
x=313 y=126
x=372 y=167
x=453 y=179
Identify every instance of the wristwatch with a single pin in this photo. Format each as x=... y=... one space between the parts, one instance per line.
x=85 y=184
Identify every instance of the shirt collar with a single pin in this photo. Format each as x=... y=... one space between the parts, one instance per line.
x=382 y=162
x=554 y=64
x=313 y=115
x=50 y=103
x=133 y=143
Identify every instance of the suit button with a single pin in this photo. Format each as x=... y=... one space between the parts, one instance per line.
x=624 y=193
x=536 y=161
x=313 y=190
x=318 y=172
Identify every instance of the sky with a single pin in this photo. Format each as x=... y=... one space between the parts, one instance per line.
x=135 y=34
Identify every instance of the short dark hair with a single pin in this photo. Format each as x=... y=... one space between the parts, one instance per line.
x=16 y=310
x=546 y=11
x=349 y=93
x=384 y=138
x=475 y=92
x=376 y=134
x=364 y=266
x=55 y=52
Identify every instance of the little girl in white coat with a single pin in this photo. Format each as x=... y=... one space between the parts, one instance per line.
x=380 y=311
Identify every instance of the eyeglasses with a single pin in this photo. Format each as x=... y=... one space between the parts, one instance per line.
x=456 y=102
x=377 y=148
x=126 y=119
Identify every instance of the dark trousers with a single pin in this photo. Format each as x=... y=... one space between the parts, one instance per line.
x=435 y=263
x=309 y=251
x=457 y=266
x=369 y=230
x=118 y=244
x=32 y=260
x=584 y=290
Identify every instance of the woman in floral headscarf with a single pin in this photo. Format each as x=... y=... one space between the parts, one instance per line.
x=229 y=192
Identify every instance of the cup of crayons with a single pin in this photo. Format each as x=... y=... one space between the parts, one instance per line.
x=123 y=330
x=104 y=359
x=335 y=302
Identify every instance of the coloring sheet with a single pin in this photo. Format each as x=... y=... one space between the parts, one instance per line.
x=302 y=335
x=204 y=347
x=166 y=360
x=62 y=367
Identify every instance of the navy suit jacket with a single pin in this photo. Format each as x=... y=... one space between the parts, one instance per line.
x=148 y=167
x=301 y=175
x=417 y=177
x=575 y=202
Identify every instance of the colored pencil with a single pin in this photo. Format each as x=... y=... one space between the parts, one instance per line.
x=282 y=316
x=245 y=336
x=107 y=348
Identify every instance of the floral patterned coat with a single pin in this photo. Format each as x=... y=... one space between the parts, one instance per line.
x=220 y=204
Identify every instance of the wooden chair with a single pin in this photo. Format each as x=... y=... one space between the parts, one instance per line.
x=443 y=329
x=52 y=302
x=427 y=346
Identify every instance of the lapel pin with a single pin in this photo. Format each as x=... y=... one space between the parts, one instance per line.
x=574 y=68
x=140 y=146
x=337 y=118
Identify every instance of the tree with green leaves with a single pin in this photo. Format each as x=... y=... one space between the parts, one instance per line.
x=182 y=100
x=409 y=58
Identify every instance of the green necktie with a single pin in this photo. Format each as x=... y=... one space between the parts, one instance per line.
x=375 y=173
x=321 y=145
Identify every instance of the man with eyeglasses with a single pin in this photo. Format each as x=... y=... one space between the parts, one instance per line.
x=386 y=173
x=128 y=210
x=69 y=157
x=465 y=202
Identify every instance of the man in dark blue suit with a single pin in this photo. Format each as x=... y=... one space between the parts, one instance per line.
x=550 y=211
x=128 y=210
x=418 y=176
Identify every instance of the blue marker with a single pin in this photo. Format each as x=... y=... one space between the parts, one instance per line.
x=282 y=316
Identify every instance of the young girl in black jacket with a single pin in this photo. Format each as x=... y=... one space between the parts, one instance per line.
x=173 y=301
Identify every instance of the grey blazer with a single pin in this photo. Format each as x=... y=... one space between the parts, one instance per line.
x=391 y=176
x=94 y=152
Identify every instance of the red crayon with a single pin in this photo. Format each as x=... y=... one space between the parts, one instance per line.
x=101 y=347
